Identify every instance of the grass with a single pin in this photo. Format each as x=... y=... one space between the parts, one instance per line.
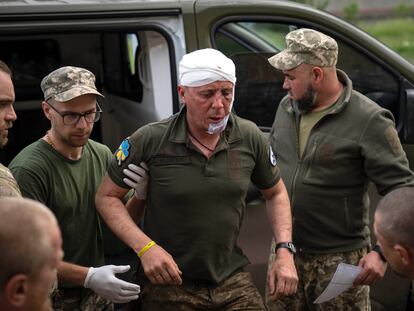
x=397 y=33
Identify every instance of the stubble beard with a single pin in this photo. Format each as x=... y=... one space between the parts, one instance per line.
x=3 y=141
x=307 y=102
x=77 y=143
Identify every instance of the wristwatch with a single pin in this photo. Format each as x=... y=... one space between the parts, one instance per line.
x=288 y=245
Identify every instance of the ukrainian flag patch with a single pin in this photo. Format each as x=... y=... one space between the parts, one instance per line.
x=123 y=151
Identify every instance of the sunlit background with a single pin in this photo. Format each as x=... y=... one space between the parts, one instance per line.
x=390 y=21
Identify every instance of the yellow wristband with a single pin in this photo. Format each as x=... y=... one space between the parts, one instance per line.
x=145 y=248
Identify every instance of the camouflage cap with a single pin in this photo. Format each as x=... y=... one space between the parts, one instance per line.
x=68 y=82
x=306 y=46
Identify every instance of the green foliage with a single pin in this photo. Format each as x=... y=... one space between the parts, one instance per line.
x=397 y=33
x=403 y=10
x=351 y=12
x=319 y=4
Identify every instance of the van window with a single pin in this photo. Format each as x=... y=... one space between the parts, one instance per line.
x=30 y=61
x=259 y=85
x=132 y=47
x=111 y=56
x=120 y=71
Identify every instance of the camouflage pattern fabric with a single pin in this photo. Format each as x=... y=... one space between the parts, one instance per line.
x=68 y=82
x=315 y=271
x=86 y=300
x=8 y=185
x=306 y=46
x=235 y=293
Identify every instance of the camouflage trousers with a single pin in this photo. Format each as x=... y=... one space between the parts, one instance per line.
x=315 y=271
x=235 y=293
x=79 y=299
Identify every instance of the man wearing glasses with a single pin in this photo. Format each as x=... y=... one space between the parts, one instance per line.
x=63 y=170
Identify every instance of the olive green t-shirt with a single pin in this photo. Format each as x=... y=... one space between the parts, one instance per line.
x=195 y=205
x=308 y=121
x=68 y=188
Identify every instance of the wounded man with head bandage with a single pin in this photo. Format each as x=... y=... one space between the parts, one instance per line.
x=200 y=163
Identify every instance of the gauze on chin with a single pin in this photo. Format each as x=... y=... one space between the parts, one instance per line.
x=216 y=128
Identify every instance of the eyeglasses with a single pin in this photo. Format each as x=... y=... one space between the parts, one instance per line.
x=70 y=118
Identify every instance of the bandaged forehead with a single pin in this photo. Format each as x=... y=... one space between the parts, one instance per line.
x=206 y=66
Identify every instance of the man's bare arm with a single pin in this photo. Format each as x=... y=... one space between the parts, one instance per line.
x=69 y=273
x=158 y=265
x=282 y=278
x=278 y=210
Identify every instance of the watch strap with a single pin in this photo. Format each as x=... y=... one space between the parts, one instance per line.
x=288 y=245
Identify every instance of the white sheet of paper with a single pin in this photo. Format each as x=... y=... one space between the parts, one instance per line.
x=343 y=278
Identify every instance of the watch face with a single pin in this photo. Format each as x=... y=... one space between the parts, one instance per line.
x=292 y=247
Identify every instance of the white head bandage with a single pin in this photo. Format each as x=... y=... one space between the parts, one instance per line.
x=205 y=66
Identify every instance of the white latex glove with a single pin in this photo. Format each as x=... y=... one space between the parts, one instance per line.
x=137 y=179
x=102 y=281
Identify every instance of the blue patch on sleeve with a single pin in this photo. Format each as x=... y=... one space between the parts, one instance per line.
x=123 y=151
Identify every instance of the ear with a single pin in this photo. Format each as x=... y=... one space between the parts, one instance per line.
x=46 y=110
x=317 y=75
x=181 y=93
x=16 y=290
x=404 y=253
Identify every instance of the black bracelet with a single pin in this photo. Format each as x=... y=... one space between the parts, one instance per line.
x=377 y=249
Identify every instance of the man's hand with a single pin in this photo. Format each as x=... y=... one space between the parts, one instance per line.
x=373 y=269
x=137 y=179
x=102 y=281
x=283 y=278
x=160 y=268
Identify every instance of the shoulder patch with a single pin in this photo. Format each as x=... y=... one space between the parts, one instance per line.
x=123 y=151
x=272 y=156
x=392 y=137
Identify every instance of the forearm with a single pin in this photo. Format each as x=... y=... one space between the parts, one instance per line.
x=279 y=213
x=282 y=278
x=136 y=208
x=117 y=217
x=71 y=274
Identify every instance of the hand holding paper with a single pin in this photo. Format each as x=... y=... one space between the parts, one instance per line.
x=343 y=279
